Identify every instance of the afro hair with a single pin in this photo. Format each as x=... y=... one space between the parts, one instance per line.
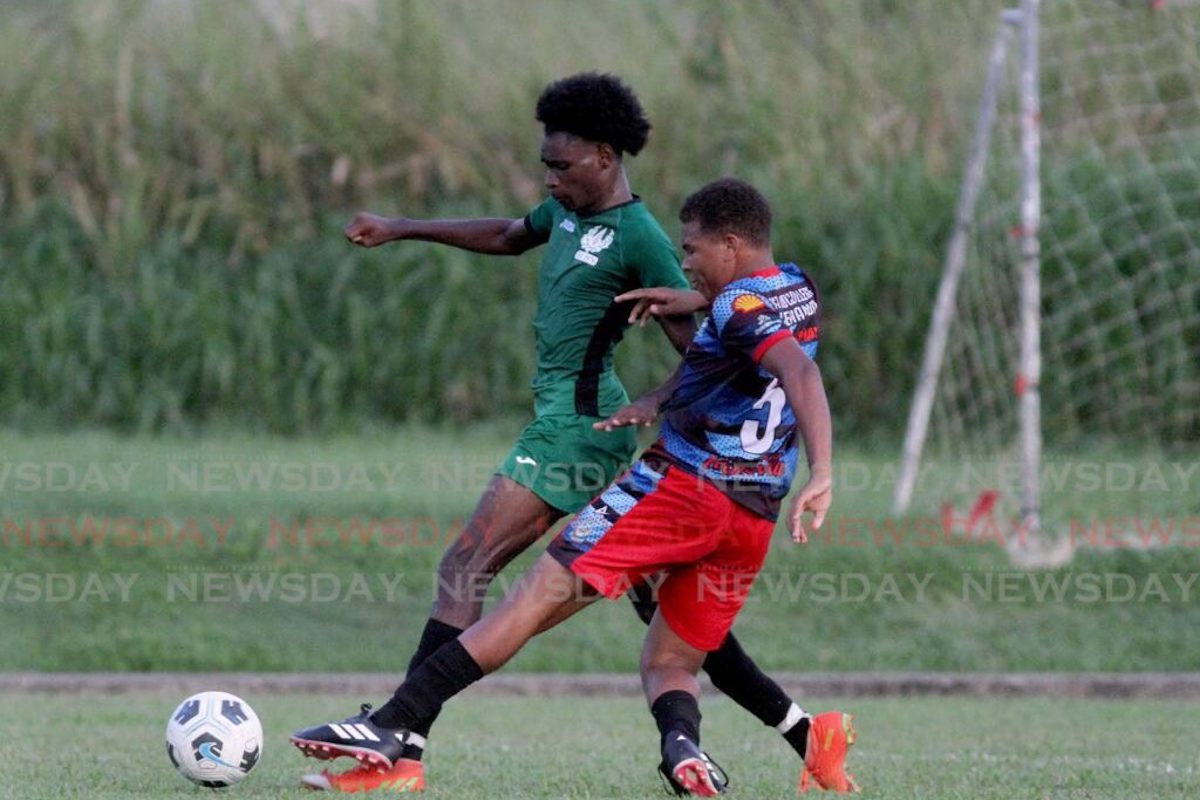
x=596 y=107
x=732 y=206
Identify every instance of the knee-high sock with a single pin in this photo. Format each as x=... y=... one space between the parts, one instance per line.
x=677 y=711
x=419 y=699
x=736 y=674
x=436 y=634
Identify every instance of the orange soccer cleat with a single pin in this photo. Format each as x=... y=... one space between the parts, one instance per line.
x=830 y=736
x=405 y=776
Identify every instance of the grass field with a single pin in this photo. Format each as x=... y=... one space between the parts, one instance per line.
x=605 y=748
x=325 y=539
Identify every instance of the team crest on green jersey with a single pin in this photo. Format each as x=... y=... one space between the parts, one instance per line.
x=596 y=239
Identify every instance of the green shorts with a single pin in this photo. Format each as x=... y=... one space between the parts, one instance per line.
x=564 y=461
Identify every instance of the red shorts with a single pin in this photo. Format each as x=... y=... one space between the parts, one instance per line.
x=708 y=548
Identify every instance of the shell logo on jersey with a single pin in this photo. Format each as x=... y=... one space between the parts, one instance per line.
x=747 y=303
x=596 y=239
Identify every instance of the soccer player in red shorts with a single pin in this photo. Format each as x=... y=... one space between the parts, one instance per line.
x=693 y=517
x=598 y=239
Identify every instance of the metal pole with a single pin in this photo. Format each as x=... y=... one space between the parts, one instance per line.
x=956 y=256
x=1028 y=379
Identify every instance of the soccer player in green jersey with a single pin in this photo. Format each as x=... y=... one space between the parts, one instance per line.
x=600 y=241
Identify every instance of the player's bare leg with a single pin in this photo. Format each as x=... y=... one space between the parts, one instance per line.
x=547 y=594
x=669 y=667
x=506 y=521
x=736 y=675
x=669 y=664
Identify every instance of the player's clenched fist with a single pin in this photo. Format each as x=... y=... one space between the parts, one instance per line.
x=369 y=230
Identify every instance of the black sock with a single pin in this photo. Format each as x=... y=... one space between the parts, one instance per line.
x=418 y=700
x=797 y=736
x=436 y=634
x=736 y=674
x=677 y=711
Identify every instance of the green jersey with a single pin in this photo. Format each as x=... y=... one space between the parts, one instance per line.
x=587 y=262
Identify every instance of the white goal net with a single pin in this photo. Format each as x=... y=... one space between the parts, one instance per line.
x=1118 y=85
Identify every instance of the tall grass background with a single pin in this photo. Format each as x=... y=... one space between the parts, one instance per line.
x=174 y=177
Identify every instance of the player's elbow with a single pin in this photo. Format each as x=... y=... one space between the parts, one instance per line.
x=507 y=246
x=808 y=371
x=808 y=377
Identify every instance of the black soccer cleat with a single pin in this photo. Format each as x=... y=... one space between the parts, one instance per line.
x=356 y=737
x=688 y=769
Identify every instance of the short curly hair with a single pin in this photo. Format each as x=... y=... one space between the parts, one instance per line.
x=729 y=205
x=597 y=107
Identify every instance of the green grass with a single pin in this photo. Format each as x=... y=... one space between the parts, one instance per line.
x=112 y=747
x=853 y=599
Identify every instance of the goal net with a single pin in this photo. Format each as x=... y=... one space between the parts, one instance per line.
x=1117 y=245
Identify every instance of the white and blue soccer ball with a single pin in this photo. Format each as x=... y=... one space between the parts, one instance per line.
x=214 y=739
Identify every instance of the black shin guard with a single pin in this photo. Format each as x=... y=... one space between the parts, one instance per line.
x=417 y=702
x=677 y=711
x=736 y=674
x=436 y=634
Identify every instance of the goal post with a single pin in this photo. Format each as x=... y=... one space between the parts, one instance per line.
x=1068 y=311
x=956 y=259
x=1029 y=377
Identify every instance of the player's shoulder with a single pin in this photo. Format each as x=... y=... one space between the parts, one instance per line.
x=545 y=215
x=738 y=297
x=754 y=292
x=797 y=274
x=759 y=284
x=781 y=281
x=773 y=279
x=643 y=242
x=549 y=208
x=636 y=222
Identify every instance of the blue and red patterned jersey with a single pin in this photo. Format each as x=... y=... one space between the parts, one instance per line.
x=728 y=420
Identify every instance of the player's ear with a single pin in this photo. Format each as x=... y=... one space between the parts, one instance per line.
x=606 y=153
x=732 y=242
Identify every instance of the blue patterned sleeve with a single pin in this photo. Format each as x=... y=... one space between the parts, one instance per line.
x=746 y=324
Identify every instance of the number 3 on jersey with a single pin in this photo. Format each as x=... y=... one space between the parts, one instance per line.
x=757 y=439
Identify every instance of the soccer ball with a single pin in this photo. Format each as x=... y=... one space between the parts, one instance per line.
x=214 y=739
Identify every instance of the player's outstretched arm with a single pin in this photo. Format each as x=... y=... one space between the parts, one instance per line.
x=801 y=381
x=644 y=410
x=494 y=236
x=661 y=301
x=680 y=330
